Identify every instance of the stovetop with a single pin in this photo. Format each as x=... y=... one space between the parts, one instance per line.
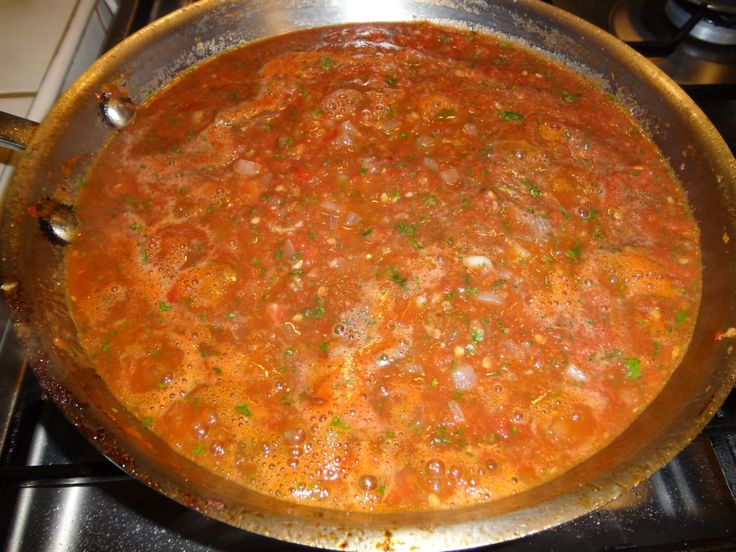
x=58 y=493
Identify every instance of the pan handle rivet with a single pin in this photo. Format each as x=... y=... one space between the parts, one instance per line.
x=117 y=110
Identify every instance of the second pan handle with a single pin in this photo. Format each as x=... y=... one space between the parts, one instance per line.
x=15 y=132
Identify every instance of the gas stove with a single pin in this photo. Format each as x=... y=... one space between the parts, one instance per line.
x=58 y=493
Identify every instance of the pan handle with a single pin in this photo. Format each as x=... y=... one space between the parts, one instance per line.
x=15 y=132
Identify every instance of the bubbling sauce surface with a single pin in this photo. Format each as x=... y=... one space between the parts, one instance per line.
x=384 y=267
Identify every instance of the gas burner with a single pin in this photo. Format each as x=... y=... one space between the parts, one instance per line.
x=665 y=31
x=717 y=24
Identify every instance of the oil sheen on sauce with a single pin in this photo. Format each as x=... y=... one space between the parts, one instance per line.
x=384 y=267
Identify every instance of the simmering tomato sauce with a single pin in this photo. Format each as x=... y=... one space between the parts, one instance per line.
x=384 y=267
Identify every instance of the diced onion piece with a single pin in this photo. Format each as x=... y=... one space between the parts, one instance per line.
x=541 y=226
x=520 y=250
x=475 y=261
x=351 y=219
x=332 y=221
x=431 y=164
x=331 y=207
x=490 y=298
x=457 y=412
x=247 y=168
x=391 y=124
x=348 y=133
x=450 y=176
x=289 y=249
x=470 y=129
x=414 y=369
x=576 y=373
x=286 y=229
x=370 y=164
x=424 y=142
x=464 y=378
x=516 y=351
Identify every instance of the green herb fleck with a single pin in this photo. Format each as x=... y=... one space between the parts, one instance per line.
x=317 y=310
x=199 y=449
x=407 y=229
x=326 y=62
x=510 y=116
x=633 y=368
x=533 y=190
x=394 y=276
x=148 y=421
x=498 y=283
x=244 y=410
x=163 y=306
x=570 y=97
x=680 y=317
x=337 y=422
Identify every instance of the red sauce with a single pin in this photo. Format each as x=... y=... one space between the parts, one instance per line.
x=384 y=267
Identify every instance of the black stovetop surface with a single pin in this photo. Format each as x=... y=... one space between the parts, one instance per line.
x=73 y=499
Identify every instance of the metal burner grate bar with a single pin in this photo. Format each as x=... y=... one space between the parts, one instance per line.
x=654 y=48
x=62 y=475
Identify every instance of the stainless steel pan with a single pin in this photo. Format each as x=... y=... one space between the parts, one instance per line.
x=33 y=281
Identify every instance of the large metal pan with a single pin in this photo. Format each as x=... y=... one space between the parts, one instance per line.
x=33 y=280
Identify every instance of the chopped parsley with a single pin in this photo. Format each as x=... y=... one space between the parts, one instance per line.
x=395 y=277
x=326 y=62
x=570 y=97
x=244 y=410
x=680 y=317
x=633 y=368
x=339 y=423
x=510 y=115
x=573 y=253
x=533 y=189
